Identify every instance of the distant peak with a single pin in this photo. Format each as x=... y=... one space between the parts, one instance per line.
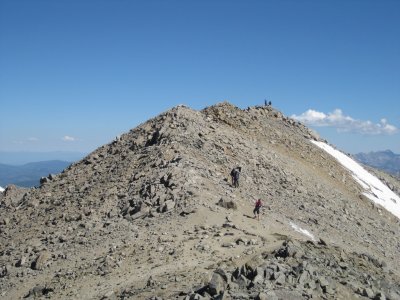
x=388 y=151
x=181 y=106
x=224 y=104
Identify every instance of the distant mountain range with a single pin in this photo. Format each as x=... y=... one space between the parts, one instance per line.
x=28 y=175
x=383 y=160
x=25 y=157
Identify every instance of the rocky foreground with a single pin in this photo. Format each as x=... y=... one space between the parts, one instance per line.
x=153 y=215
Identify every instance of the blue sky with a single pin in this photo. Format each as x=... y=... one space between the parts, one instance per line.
x=74 y=74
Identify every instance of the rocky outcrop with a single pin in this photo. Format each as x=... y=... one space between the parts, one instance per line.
x=303 y=271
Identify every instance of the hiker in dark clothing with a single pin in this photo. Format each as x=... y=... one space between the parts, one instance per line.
x=256 y=210
x=235 y=174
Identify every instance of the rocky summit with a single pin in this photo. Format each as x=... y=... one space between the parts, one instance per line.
x=154 y=215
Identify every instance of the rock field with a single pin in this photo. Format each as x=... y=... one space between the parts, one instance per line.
x=153 y=215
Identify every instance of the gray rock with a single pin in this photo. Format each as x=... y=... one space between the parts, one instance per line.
x=216 y=285
x=110 y=295
x=280 y=278
x=262 y=296
x=380 y=296
x=367 y=292
x=21 y=262
x=227 y=204
x=41 y=261
x=38 y=292
x=168 y=205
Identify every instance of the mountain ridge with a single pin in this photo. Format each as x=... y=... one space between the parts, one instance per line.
x=384 y=160
x=18 y=158
x=150 y=215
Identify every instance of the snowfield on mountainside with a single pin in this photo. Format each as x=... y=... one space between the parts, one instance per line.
x=375 y=189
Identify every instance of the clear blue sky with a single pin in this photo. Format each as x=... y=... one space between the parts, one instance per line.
x=74 y=74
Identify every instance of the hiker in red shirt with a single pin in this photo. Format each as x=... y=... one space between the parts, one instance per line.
x=256 y=210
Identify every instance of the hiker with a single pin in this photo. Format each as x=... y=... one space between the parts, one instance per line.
x=256 y=210
x=233 y=176
x=235 y=173
x=269 y=103
x=265 y=102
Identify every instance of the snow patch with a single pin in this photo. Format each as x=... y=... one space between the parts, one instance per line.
x=1 y=189
x=375 y=189
x=303 y=231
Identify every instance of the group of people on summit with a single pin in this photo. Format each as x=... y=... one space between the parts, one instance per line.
x=235 y=175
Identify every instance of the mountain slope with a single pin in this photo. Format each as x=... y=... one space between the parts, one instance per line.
x=383 y=160
x=149 y=215
x=28 y=175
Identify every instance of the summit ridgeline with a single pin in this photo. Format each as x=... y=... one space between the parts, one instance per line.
x=154 y=215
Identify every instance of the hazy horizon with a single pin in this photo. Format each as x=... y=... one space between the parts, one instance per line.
x=18 y=158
